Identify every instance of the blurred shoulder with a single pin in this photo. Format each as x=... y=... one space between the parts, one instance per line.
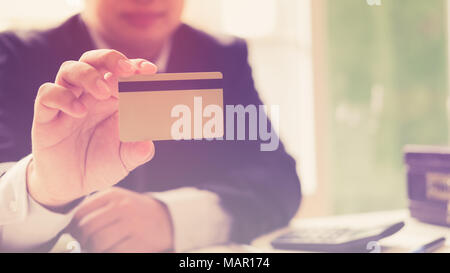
x=20 y=42
x=51 y=40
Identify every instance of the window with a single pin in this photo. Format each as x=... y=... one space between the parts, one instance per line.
x=387 y=87
x=36 y=14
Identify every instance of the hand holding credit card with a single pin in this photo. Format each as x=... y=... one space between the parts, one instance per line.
x=171 y=106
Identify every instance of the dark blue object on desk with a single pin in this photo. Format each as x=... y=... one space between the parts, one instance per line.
x=428 y=177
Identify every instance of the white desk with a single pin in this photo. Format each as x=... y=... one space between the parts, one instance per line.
x=412 y=236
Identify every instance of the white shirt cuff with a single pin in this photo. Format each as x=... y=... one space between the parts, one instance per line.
x=24 y=223
x=198 y=218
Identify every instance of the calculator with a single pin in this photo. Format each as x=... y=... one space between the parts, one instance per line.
x=335 y=239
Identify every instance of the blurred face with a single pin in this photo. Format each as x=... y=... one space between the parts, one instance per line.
x=134 y=21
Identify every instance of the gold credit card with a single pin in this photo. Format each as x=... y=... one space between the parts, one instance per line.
x=171 y=106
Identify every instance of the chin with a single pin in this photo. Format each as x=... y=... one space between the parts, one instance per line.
x=153 y=32
x=143 y=36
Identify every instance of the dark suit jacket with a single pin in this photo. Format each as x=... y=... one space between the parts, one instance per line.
x=260 y=190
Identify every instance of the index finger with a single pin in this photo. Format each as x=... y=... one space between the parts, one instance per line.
x=109 y=60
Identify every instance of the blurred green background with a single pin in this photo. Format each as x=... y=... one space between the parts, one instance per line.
x=388 y=87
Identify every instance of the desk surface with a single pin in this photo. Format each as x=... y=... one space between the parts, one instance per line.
x=412 y=236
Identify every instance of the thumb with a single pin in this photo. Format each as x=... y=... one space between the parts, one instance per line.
x=134 y=154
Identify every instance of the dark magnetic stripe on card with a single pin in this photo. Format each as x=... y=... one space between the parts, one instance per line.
x=146 y=86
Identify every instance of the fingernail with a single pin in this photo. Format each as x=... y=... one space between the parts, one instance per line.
x=148 y=66
x=103 y=87
x=125 y=66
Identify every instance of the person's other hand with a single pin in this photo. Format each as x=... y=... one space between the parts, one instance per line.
x=118 y=220
x=75 y=135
